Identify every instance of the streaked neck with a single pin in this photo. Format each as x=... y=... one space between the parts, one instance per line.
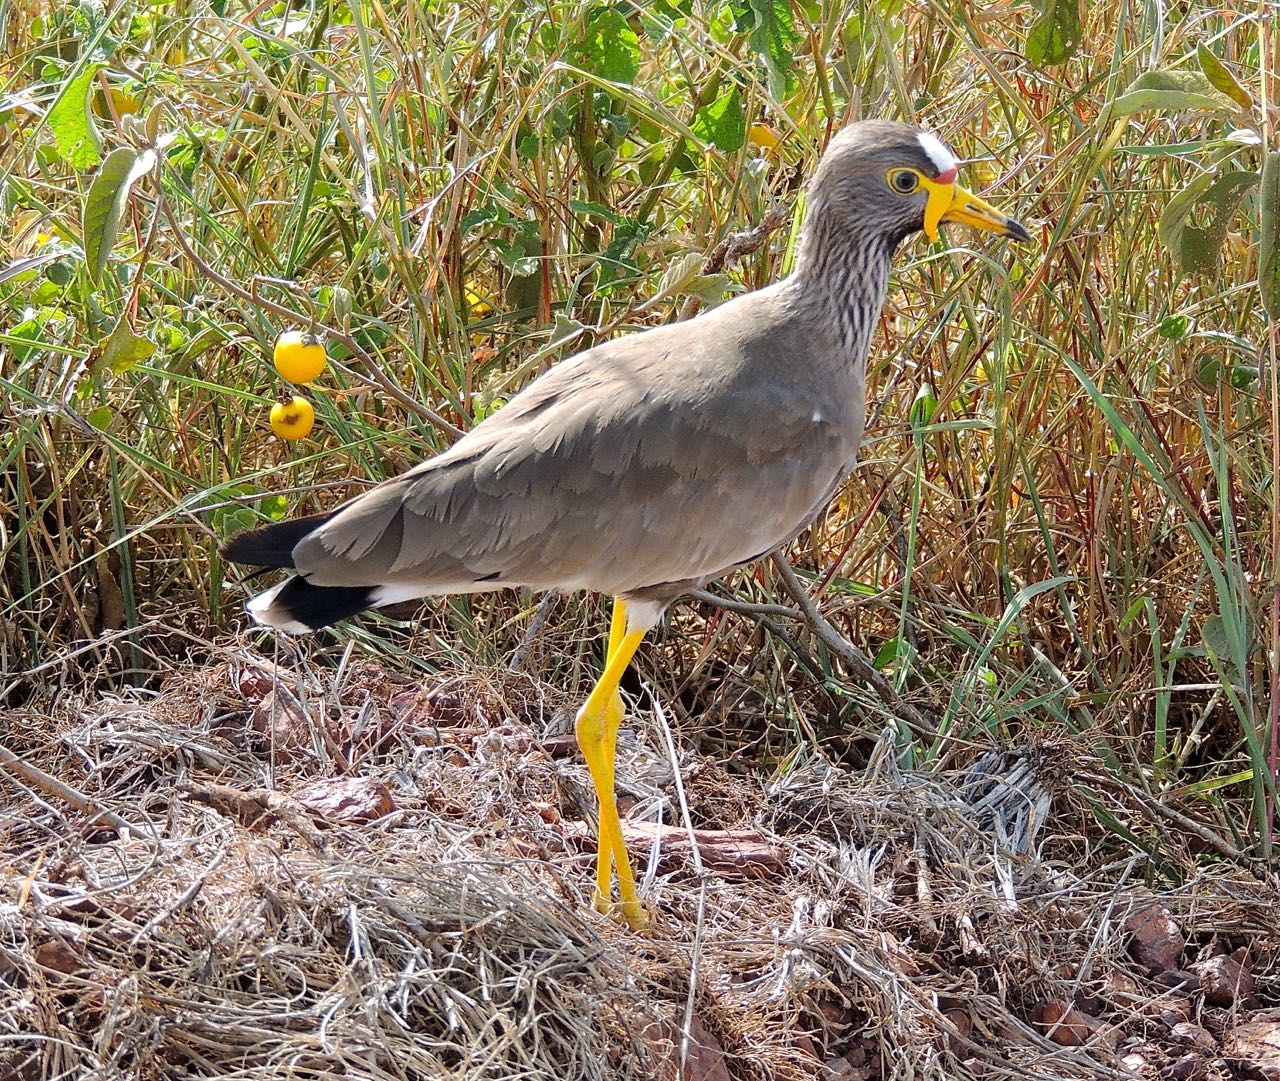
x=842 y=273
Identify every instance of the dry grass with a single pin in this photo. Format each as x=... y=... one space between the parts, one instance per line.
x=883 y=925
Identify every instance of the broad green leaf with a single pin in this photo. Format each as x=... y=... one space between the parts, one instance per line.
x=723 y=122
x=71 y=121
x=1217 y=639
x=594 y=210
x=711 y=289
x=924 y=407
x=30 y=330
x=100 y=418
x=274 y=507
x=1269 y=237
x=893 y=652
x=1198 y=245
x=677 y=277
x=1055 y=36
x=517 y=260
x=122 y=348
x=1171 y=90
x=104 y=205
x=1222 y=79
x=773 y=35
x=610 y=48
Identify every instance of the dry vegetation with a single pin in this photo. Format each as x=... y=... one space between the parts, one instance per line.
x=1060 y=550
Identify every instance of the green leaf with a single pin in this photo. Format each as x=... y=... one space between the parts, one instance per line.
x=122 y=348
x=1055 y=36
x=1174 y=327
x=100 y=418
x=894 y=651
x=924 y=407
x=1222 y=79
x=1171 y=90
x=517 y=260
x=773 y=36
x=1198 y=245
x=610 y=48
x=31 y=330
x=104 y=205
x=71 y=121
x=723 y=122
x=1269 y=236
x=594 y=210
x=274 y=507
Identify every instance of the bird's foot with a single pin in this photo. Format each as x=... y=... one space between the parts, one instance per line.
x=634 y=914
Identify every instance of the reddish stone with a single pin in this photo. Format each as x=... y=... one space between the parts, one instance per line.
x=346 y=799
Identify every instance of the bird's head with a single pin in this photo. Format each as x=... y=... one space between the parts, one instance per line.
x=896 y=179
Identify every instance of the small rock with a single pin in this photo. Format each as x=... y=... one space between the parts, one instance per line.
x=548 y=813
x=279 y=719
x=1187 y=1068
x=1255 y=1047
x=1121 y=991
x=55 y=956
x=958 y=1042
x=1157 y=941
x=1194 y=1035
x=1065 y=1025
x=1178 y=979
x=346 y=799
x=1225 y=979
x=841 y=1069
x=1134 y=1062
x=704 y=1060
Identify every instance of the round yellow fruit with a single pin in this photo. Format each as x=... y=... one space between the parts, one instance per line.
x=293 y=419
x=299 y=357
x=763 y=136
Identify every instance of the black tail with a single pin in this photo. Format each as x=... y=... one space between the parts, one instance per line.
x=297 y=605
x=272 y=545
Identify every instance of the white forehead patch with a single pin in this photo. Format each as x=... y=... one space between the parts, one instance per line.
x=936 y=151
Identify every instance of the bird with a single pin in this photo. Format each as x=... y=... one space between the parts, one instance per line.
x=651 y=464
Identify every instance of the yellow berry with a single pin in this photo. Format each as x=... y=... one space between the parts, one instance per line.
x=763 y=136
x=293 y=419
x=479 y=306
x=299 y=357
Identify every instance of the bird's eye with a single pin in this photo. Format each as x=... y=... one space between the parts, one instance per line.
x=903 y=181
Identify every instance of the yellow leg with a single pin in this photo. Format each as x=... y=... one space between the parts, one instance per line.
x=614 y=712
x=597 y=729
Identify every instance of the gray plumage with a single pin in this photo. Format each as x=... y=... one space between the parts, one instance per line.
x=654 y=463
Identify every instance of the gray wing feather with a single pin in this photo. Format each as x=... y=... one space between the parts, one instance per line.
x=669 y=455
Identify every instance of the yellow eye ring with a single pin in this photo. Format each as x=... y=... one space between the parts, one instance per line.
x=904 y=181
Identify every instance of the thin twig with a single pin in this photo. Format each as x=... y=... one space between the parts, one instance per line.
x=746 y=608
x=695 y=962
x=539 y=620
x=51 y=786
x=1155 y=808
x=735 y=246
x=850 y=654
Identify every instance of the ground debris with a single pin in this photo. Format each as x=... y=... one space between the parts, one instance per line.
x=1254 y=1047
x=407 y=890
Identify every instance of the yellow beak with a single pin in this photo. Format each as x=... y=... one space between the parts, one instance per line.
x=951 y=202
